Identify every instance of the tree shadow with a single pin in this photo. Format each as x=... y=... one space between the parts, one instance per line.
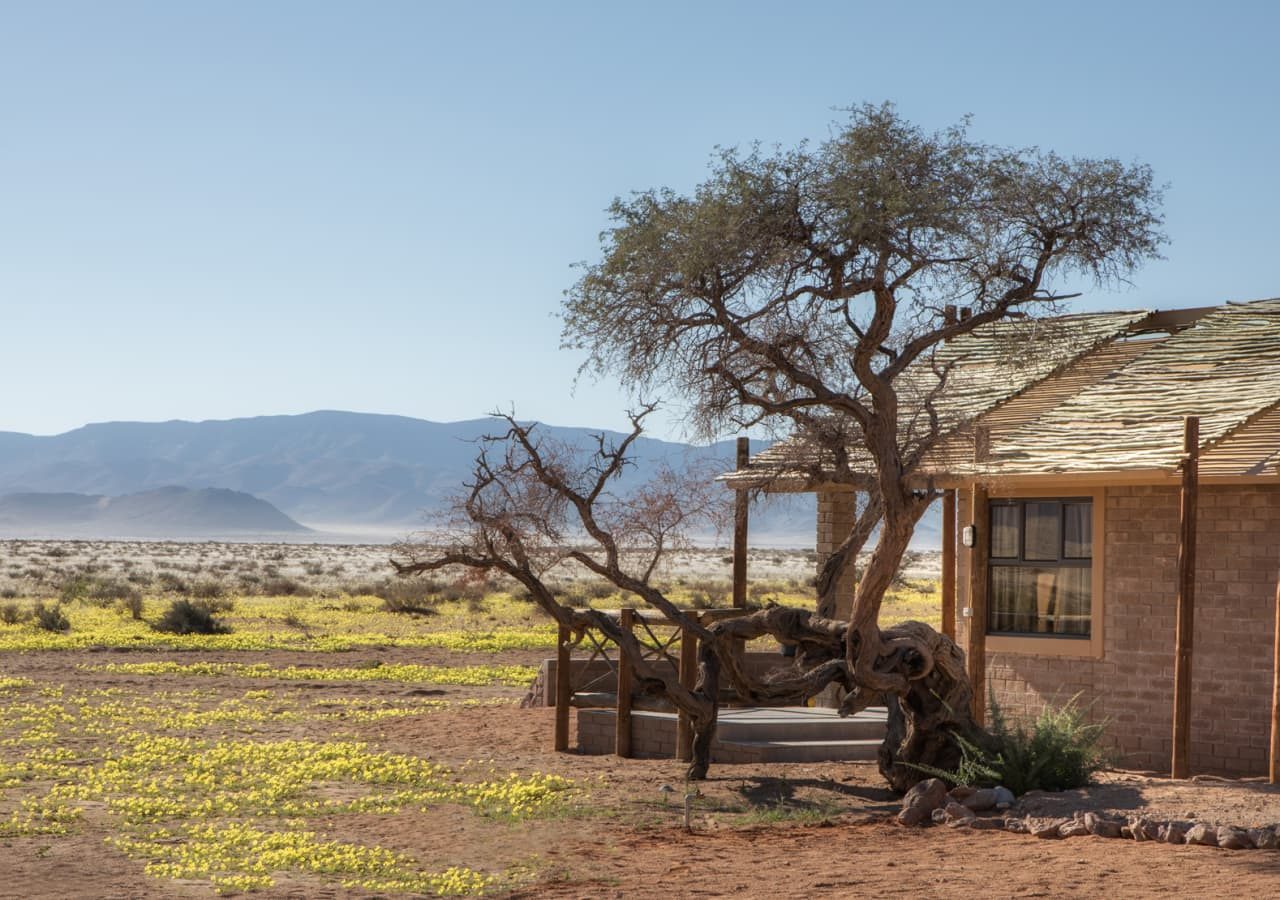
x=814 y=793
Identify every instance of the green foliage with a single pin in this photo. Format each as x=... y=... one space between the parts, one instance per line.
x=188 y=617
x=1061 y=751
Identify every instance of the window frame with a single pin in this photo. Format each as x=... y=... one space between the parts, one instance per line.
x=1052 y=644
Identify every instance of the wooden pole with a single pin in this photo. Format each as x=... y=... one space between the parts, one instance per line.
x=622 y=727
x=1275 y=699
x=688 y=678
x=1184 y=633
x=740 y=531
x=564 y=690
x=949 y=564
x=976 y=652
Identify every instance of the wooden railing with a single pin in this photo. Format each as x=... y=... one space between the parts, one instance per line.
x=661 y=640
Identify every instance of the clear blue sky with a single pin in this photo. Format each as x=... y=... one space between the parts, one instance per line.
x=222 y=209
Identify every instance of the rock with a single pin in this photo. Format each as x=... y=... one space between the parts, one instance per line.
x=980 y=800
x=1074 y=828
x=1174 y=832
x=1046 y=828
x=1004 y=797
x=925 y=797
x=1205 y=835
x=961 y=792
x=1142 y=829
x=1265 y=838
x=911 y=816
x=954 y=814
x=1232 y=838
x=1101 y=826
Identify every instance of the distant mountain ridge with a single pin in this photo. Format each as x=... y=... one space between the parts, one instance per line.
x=330 y=470
x=167 y=511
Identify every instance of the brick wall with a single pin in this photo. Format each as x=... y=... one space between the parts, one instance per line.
x=1238 y=560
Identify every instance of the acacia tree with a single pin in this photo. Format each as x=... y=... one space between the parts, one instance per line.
x=807 y=291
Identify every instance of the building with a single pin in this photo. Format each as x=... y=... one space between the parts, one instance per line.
x=1065 y=473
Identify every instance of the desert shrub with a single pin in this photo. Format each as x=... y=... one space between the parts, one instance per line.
x=207 y=589
x=172 y=581
x=11 y=614
x=8 y=593
x=131 y=606
x=278 y=586
x=415 y=596
x=1060 y=751
x=50 y=618
x=107 y=590
x=74 y=588
x=188 y=617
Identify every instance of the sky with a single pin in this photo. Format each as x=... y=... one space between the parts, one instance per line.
x=220 y=209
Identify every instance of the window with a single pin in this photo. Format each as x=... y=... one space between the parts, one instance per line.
x=1041 y=567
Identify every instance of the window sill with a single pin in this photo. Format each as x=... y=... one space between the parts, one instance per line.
x=1028 y=645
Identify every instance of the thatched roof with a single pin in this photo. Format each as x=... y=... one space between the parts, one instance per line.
x=1104 y=392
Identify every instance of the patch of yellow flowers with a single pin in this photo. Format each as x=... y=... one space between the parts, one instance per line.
x=475 y=676
x=240 y=857
x=229 y=808
x=275 y=623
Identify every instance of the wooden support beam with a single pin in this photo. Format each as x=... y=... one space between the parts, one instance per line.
x=688 y=678
x=564 y=689
x=622 y=729
x=949 y=564
x=1184 y=632
x=1275 y=698
x=976 y=650
x=740 y=530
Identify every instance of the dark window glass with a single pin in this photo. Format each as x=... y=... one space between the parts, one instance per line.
x=1078 y=530
x=1004 y=531
x=1043 y=531
x=1041 y=571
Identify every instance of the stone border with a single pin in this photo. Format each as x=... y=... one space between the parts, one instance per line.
x=931 y=802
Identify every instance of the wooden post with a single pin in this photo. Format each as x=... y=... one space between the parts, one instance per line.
x=949 y=564
x=1184 y=633
x=1275 y=699
x=740 y=531
x=976 y=652
x=622 y=729
x=688 y=678
x=564 y=689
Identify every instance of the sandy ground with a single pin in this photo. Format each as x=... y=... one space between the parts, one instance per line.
x=796 y=829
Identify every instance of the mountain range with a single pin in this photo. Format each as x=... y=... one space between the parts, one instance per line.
x=357 y=475
x=162 y=513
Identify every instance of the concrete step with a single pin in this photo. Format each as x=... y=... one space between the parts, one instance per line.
x=794 y=751
x=795 y=723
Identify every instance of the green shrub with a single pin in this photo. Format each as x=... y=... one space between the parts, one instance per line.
x=1061 y=751
x=50 y=618
x=187 y=617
